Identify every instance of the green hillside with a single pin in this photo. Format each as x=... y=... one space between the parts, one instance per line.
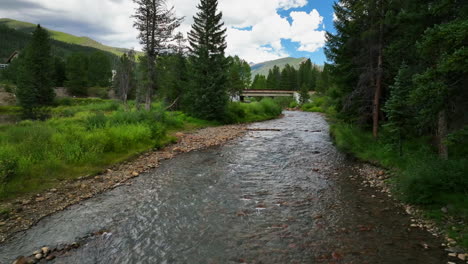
x=26 y=27
x=264 y=67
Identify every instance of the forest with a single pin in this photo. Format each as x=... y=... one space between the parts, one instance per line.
x=399 y=96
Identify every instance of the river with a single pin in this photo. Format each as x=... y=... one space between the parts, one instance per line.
x=279 y=194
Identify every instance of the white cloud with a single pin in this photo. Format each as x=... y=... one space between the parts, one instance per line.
x=110 y=22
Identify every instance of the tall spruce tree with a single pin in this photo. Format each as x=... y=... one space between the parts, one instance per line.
x=156 y=23
x=207 y=39
x=35 y=77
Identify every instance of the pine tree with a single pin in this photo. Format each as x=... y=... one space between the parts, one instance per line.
x=77 y=74
x=156 y=23
x=209 y=65
x=259 y=82
x=35 y=83
x=304 y=94
x=99 y=69
x=124 y=79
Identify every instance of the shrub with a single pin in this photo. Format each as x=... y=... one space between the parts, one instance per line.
x=8 y=164
x=426 y=181
x=97 y=120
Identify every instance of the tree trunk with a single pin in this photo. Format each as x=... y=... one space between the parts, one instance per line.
x=149 y=88
x=378 y=82
x=442 y=134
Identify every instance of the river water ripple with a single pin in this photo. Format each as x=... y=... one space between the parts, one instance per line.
x=280 y=194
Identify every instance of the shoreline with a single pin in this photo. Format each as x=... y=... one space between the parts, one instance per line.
x=26 y=211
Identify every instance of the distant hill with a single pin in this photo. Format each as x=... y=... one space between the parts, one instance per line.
x=27 y=28
x=263 y=67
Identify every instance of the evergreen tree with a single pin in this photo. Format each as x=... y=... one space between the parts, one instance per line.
x=124 y=79
x=399 y=112
x=77 y=74
x=304 y=94
x=276 y=77
x=285 y=80
x=207 y=39
x=35 y=83
x=259 y=82
x=239 y=75
x=156 y=23
x=59 y=74
x=99 y=70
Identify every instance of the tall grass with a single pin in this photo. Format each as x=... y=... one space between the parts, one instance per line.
x=252 y=112
x=321 y=104
x=34 y=155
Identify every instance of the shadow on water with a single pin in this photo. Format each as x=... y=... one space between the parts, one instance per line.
x=280 y=194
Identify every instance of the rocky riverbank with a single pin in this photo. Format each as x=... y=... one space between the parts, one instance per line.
x=374 y=177
x=21 y=213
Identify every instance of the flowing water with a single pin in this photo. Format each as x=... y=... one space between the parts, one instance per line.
x=280 y=194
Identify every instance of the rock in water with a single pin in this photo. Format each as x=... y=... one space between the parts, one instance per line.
x=45 y=250
x=21 y=260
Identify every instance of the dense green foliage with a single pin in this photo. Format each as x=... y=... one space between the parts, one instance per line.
x=84 y=71
x=252 y=112
x=82 y=137
x=400 y=67
x=292 y=79
x=264 y=67
x=209 y=81
x=239 y=76
x=35 y=73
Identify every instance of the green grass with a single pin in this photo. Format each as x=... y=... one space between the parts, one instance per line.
x=81 y=139
x=421 y=177
x=320 y=104
x=9 y=109
x=253 y=112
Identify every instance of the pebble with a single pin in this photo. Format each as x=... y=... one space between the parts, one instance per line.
x=135 y=173
x=40 y=199
x=452 y=254
x=38 y=256
x=462 y=256
x=51 y=257
x=53 y=190
x=45 y=250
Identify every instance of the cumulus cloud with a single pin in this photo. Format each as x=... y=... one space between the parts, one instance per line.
x=110 y=22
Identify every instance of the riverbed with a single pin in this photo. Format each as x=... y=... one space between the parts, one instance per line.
x=279 y=194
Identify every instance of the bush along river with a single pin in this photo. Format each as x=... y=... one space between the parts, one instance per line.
x=281 y=193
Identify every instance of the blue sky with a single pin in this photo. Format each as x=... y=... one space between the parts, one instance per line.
x=258 y=30
x=325 y=9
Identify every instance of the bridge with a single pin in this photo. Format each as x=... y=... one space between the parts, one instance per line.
x=269 y=93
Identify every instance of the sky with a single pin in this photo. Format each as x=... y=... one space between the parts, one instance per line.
x=257 y=30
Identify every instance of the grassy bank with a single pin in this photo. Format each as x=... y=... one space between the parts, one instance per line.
x=438 y=186
x=84 y=136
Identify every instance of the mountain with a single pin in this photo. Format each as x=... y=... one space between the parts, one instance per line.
x=28 y=28
x=263 y=67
